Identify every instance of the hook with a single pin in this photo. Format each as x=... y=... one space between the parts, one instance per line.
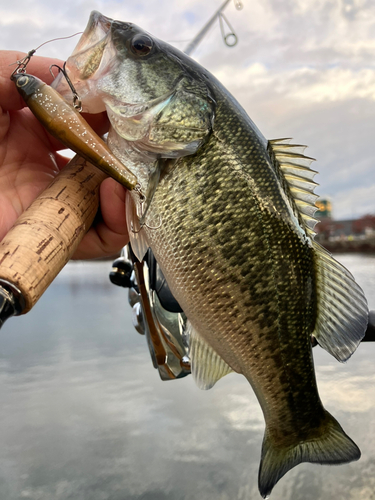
x=144 y=224
x=140 y=214
x=77 y=103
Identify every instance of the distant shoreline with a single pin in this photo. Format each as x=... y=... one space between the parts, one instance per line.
x=366 y=245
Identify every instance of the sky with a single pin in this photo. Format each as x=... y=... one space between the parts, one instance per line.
x=302 y=69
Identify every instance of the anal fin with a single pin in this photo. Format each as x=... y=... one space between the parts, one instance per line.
x=207 y=367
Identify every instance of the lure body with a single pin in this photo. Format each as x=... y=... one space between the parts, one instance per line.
x=65 y=123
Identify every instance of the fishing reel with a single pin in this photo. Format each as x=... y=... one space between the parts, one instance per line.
x=156 y=312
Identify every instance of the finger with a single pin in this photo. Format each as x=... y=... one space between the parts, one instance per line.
x=112 y=205
x=38 y=66
x=61 y=160
x=99 y=122
x=110 y=232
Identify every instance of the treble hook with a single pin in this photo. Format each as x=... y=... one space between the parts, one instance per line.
x=227 y=37
x=141 y=214
x=144 y=224
x=77 y=103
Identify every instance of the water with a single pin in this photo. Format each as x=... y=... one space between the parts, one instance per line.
x=84 y=415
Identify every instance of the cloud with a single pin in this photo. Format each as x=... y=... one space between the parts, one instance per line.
x=352 y=203
x=306 y=84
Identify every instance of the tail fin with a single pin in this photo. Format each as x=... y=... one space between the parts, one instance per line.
x=332 y=447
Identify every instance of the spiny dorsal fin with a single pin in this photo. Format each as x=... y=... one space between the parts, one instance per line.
x=300 y=181
x=297 y=173
x=342 y=311
x=207 y=367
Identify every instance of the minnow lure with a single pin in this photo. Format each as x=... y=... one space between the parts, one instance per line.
x=66 y=124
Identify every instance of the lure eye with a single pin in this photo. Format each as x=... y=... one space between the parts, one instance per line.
x=141 y=45
x=22 y=81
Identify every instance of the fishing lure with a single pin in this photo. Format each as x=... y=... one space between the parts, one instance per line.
x=65 y=123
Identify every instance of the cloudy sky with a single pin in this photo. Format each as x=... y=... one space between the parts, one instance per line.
x=302 y=68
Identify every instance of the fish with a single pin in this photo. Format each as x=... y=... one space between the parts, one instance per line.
x=229 y=216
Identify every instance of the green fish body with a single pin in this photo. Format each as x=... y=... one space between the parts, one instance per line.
x=229 y=218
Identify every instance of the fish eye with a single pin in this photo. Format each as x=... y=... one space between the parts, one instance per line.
x=141 y=45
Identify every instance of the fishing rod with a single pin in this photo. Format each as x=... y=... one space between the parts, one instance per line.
x=230 y=39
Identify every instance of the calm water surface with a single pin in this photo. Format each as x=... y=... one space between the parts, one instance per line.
x=84 y=415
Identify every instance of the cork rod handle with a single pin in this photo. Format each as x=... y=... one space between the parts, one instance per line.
x=47 y=234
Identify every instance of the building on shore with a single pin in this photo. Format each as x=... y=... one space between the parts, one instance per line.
x=349 y=235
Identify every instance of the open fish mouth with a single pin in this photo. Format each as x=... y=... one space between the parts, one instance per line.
x=88 y=61
x=88 y=53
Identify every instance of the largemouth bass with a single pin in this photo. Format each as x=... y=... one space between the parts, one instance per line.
x=229 y=218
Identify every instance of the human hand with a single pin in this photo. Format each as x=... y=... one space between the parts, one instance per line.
x=29 y=160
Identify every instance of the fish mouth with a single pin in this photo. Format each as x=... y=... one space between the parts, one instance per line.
x=97 y=28
x=86 y=59
x=88 y=53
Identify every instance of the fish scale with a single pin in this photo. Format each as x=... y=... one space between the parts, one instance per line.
x=245 y=230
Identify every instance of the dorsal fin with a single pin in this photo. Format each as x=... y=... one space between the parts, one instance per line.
x=342 y=311
x=341 y=305
x=295 y=167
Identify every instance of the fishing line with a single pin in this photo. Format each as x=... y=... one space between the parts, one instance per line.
x=60 y=38
x=179 y=41
x=22 y=63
